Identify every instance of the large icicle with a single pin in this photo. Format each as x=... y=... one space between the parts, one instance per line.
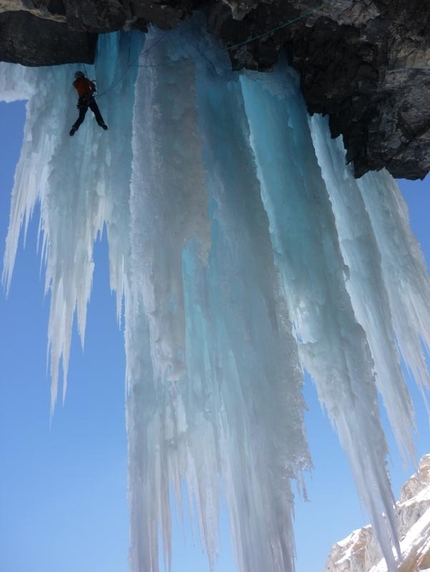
x=333 y=347
x=365 y=279
x=404 y=270
x=222 y=348
x=244 y=251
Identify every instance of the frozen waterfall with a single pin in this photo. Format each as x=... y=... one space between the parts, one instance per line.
x=242 y=252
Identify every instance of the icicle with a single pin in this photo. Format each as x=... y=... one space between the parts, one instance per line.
x=233 y=363
x=404 y=271
x=365 y=280
x=333 y=347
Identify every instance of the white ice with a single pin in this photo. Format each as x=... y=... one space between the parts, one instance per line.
x=242 y=251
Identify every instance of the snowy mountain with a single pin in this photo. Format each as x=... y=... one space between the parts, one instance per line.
x=359 y=552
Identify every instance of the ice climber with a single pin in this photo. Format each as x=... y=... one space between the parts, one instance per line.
x=86 y=89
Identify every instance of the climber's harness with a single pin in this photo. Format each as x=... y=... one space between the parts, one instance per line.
x=85 y=101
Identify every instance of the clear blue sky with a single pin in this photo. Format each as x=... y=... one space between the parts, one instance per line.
x=63 y=491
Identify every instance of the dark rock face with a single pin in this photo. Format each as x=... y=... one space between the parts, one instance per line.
x=365 y=63
x=30 y=41
x=374 y=82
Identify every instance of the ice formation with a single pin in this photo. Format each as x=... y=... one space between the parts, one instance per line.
x=242 y=251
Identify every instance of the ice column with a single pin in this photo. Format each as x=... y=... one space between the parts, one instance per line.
x=217 y=400
x=333 y=345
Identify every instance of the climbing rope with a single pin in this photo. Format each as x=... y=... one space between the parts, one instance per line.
x=130 y=64
x=284 y=25
x=227 y=49
x=258 y=37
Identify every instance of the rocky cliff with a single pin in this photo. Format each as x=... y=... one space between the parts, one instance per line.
x=365 y=63
x=359 y=551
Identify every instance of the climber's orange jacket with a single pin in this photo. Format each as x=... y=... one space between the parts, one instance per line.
x=84 y=86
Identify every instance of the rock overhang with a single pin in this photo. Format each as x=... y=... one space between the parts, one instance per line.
x=364 y=64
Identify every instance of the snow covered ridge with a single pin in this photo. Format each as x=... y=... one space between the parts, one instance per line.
x=241 y=251
x=359 y=552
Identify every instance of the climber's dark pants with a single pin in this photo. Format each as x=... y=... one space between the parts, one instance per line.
x=83 y=104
